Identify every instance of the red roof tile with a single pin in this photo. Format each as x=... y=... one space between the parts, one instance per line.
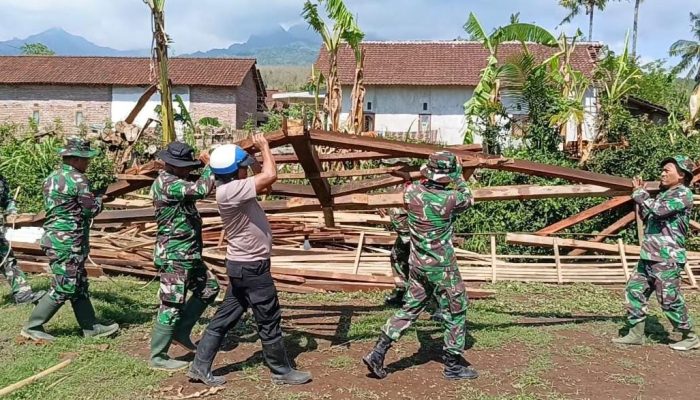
x=448 y=63
x=126 y=71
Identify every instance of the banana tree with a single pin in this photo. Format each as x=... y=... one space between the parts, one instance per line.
x=484 y=106
x=357 y=97
x=344 y=30
x=160 y=57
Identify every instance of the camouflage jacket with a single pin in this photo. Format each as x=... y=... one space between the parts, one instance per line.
x=667 y=219
x=70 y=207
x=7 y=204
x=179 y=234
x=399 y=223
x=432 y=210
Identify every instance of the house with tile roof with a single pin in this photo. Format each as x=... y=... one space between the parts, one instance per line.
x=93 y=90
x=421 y=86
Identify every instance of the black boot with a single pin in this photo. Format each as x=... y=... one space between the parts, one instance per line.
x=454 y=370
x=200 y=370
x=395 y=299
x=282 y=372
x=375 y=359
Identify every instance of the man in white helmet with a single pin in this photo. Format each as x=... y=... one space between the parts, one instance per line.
x=249 y=240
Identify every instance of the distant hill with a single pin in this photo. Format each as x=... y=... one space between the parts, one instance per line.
x=295 y=46
x=65 y=44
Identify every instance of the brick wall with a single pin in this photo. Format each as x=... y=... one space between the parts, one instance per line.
x=218 y=102
x=246 y=100
x=19 y=102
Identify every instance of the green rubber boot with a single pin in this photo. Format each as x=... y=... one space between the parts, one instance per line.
x=45 y=309
x=183 y=329
x=689 y=341
x=635 y=336
x=85 y=314
x=161 y=338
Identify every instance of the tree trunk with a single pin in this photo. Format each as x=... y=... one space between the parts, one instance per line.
x=358 y=97
x=167 y=121
x=635 y=28
x=590 y=21
x=334 y=93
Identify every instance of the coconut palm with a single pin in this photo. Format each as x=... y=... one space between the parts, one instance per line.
x=689 y=51
x=344 y=30
x=635 y=27
x=575 y=8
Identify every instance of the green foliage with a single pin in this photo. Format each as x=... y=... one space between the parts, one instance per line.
x=25 y=164
x=36 y=49
x=285 y=77
x=689 y=51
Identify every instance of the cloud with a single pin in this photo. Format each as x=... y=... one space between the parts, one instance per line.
x=205 y=24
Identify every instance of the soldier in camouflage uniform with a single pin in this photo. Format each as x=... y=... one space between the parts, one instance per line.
x=19 y=286
x=399 y=254
x=432 y=210
x=70 y=207
x=178 y=254
x=663 y=255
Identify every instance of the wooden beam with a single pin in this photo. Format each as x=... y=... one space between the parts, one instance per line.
x=543 y=241
x=365 y=185
x=308 y=158
x=343 y=174
x=334 y=157
x=284 y=189
x=584 y=215
x=610 y=230
x=141 y=103
x=570 y=174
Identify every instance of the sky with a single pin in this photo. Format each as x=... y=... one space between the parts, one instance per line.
x=205 y=24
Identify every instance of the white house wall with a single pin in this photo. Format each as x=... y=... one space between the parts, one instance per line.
x=396 y=109
x=124 y=99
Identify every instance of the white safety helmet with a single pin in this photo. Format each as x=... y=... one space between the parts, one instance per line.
x=228 y=158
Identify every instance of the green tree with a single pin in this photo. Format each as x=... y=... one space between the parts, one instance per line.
x=575 y=7
x=36 y=49
x=344 y=30
x=689 y=50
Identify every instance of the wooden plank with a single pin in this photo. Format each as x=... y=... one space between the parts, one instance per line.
x=344 y=173
x=285 y=189
x=623 y=258
x=333 y=157
x=493 y=258
x=557 y=262
x=140 y=104
x=614 y=228
x=543 y=241
x=584 y=215
x=365 y=185
x=358 y=254
x=570 y=174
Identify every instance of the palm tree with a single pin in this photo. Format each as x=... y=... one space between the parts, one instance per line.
x=344 y=30
x=635 y=28
x=575 y=8
x=483 y=104
x=689 y=51
x=160 y=54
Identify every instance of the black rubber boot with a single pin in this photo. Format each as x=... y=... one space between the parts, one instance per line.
x=375 y=359
x=42 y=313
x=206 y=352
x=282 y=372
x=395 y=299
x=85 y=314
x=454 y=370
x=183 y=329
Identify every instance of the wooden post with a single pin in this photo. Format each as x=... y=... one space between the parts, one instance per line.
x=691 y=276
x=623 y=258
x=358 y=254
x=493 y=258
x=557 y=262
x=640 y=224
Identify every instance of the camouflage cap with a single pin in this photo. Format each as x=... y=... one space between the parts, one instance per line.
x=77 y=147
x=442 y=167
x=683 y=163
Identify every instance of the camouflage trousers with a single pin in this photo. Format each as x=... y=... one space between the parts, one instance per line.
x=665 y=279
x=399 y=260
x=70 y=279
x=9 y=269
x=176 y=279
x=445 y=285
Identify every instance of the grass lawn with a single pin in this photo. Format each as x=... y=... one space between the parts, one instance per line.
x=532 y=341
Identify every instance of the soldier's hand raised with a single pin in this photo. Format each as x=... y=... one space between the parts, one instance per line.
x=260 y=141
x=637 y=182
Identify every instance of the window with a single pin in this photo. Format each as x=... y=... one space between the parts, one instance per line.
x=368 y=123
x=424 y=123
x=369 y=105
x=36 y=117
x=78 y=118
x=425 y=106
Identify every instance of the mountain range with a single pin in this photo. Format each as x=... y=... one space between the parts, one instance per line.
x=297 y=45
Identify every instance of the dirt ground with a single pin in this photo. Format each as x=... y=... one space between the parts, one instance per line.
x=577 y=363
